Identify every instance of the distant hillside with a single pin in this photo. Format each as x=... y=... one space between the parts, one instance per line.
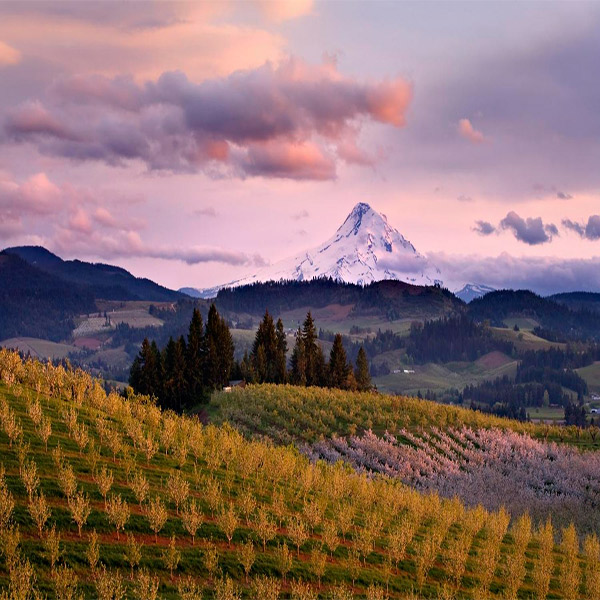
x=104 y=281
x=579 y=300
x=550 y=314
x=35 y=303
x=390 y=299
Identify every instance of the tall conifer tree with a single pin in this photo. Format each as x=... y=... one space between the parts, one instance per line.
x=314 y=362
x=338 y=364
x=361 y=372
x=194 y=359
x=219 y=350
x=264 y=350
x=298 y=362
x=281 y=356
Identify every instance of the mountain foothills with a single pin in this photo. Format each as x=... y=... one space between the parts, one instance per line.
x=102 y=281
x=419 y=340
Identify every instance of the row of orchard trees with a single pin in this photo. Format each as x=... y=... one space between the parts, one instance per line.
x=186 y=371
x=310 y=521
x=267 y=362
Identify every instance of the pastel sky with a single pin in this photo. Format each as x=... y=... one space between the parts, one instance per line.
x=194 y=142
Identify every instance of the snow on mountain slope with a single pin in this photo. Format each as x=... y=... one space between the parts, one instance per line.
x=473 y=290
x=364 y=249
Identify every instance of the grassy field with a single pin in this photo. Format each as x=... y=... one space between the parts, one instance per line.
x=546 y=414
x=91 y=324
x=340 y=319
x=42 y=349
x=523 y=323
x=269 y=524
x=438 y=377
x=525 y=340
x=591 y=374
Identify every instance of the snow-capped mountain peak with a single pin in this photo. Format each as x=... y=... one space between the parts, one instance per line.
x=473 y=290
x=365 y=248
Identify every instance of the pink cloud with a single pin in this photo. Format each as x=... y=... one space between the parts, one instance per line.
x=36 y=196
x=191 y=36
x=282 y=119
x=33 y=118
x=290 y=160
x=104 y=217
x=466 y=130
x=389 y=101
x=10 y=226
x=285 y=10
x=8 y=55
x=80 y=221
x=129 y=244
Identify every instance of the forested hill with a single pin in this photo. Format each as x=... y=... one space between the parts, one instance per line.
x=103 y=281
x=579 y=300
x=576 y=323
x=38 y=304
x=392 y=299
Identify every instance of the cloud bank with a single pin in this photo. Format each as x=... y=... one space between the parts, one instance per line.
x=282 y=121
x=80 y=222
x=544 y=275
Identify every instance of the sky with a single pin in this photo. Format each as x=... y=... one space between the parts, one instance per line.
x=193 y=143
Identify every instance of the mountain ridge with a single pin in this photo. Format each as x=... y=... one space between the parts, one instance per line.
x=105 y=281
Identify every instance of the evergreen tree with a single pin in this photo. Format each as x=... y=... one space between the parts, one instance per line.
x=246 y=370
x=264 y=350
x=194 y=358
x=361 y=372
x=168 y=360
x=281 y=356
x=145 y=376
x=135 y=372
x=338 y=364
x=219 y=350
x=175 y=385
x=298 y=362
x=314 y=361
x=154 y=372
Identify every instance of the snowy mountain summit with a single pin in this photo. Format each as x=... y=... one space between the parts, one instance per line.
x=473 y=290
x=365 y=248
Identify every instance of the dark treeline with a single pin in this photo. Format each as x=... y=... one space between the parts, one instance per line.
x=503 y=390
x=267 y=361
x=186 y=371
x=285 y=295
x=571 y=357
x=382 y=341
x=555 y=319
x=455 y=338
x=388 y=298
x=507 y=398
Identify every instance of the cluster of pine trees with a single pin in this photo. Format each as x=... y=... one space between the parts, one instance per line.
x=267 y=361
x=186 y=371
